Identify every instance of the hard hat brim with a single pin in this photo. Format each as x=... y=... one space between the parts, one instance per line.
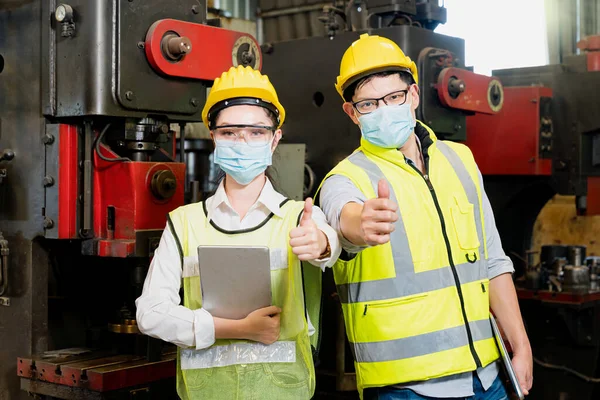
x=240 y=101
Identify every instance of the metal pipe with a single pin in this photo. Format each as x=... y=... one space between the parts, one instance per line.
x=195 y=189
x=182 y=151
x=88 y=181
x=140 y=156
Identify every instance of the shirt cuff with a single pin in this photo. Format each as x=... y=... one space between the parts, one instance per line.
x=334 y=244
x=204 y=329
x=351 y=247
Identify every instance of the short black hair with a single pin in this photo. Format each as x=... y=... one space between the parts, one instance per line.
x=350 y=91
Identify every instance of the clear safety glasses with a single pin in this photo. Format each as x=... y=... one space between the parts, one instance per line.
x=254 y=135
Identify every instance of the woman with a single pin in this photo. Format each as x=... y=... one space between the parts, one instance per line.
x=266 y=355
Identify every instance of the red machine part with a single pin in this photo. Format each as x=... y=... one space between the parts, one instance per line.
x=591 y=45
x=468 y=91
x=210 y=50
x=509 y=142
x=126 y=186
x=97 y=372
x=593 y=195
x=67 y=181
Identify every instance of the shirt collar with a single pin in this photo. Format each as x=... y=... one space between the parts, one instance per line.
x=268 y=197
x=271 y=199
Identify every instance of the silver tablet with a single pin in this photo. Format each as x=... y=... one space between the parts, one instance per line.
x=234 y=280
x=506 y=360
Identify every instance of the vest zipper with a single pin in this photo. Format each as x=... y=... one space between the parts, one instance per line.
x=452 y=266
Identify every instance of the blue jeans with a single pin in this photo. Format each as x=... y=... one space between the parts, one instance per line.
x=495 y=392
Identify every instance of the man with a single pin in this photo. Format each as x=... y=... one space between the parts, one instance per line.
x=424 y=259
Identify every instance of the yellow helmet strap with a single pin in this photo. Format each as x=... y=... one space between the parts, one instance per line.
x=240 y=101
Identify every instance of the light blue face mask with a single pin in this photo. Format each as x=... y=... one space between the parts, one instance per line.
x=241 y=161
x=388 y=126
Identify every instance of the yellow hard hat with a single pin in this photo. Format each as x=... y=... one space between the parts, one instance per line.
x=242 y=85
x=369 y=55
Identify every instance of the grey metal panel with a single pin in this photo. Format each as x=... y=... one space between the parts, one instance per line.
x=285 y=26
x=317 y=28
x=301 y=25
x=270 y=29
x=21 y=323
x=266 y=5
x=94 y=68
x=288 y=166
x=304 y=69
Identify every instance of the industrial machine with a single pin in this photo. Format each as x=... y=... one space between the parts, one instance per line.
x=533 y=131
x=89 y=166
x=89 y=93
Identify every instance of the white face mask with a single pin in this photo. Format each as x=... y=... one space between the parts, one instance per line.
x=242 y=161
x=388 y=126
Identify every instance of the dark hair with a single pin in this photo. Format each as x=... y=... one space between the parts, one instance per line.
x=270 y=114
x=350 y=91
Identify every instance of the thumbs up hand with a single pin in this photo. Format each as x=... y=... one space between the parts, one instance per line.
x=307 y=240
x=378 y=216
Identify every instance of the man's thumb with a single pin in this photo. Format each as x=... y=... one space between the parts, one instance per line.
x=383 y=190
x=307 y=215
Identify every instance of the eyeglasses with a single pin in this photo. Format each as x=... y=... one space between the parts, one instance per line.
x=254 y=135
x=367 y=106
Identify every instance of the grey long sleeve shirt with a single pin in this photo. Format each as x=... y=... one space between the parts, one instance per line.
x=337 y=191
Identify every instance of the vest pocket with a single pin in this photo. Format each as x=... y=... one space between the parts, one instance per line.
x=463 y=217
x=394 y=303
x=288 y=375
x=197 y=378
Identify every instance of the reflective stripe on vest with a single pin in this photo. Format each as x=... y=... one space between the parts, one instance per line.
x=420 y=345
x=238 y=353
x=407 y=282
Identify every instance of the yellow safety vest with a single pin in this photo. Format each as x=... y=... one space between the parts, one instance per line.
x=240 y=369
x=417 y=307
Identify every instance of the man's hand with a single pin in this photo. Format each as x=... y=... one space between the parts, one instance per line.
x=378 y=217
x=307 y=240
x=523 y=365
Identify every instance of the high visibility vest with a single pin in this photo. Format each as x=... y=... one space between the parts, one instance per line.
x=241 y=369
x=417 y=307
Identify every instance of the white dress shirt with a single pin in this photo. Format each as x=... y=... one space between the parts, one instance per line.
x=159 y=313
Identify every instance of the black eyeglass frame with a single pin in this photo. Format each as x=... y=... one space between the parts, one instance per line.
x=405 y=91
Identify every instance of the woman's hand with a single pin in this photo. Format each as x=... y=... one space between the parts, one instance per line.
x=307 y=240
x=262 y=325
